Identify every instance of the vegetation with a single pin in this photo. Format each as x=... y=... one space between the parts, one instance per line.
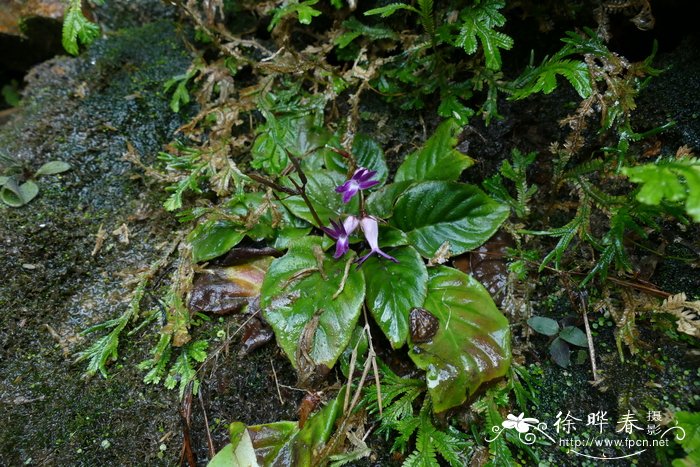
x=351 y=242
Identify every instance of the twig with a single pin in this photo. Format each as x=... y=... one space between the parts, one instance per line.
x=185 y=414
x=210 y=442
x=273 y=185
x=351 y=371
x=302 y=188
x=277 y=384
x=373 y=355
x=348 y=264
x=591 y=349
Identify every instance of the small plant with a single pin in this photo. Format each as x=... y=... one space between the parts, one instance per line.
x=669 y=179
x=17 y=189
x=401 y=422
x=559 y=347
x=77 y=28
x=516 y=172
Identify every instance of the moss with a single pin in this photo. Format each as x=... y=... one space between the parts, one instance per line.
x=50 y=414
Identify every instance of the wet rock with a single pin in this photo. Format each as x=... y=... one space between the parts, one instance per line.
x=30 y=32
x=74 y=109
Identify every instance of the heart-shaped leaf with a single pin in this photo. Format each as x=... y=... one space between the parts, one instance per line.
x=472 y=344
x=284 y=444
x=312 y=301
x=16 y=195
x=368 y=154
x=321 y=192
x=394 y=289
x=437 y=159
x=546 y=326
x=432 y=213
x=53 y=167
x=574 y=335
x=560 y=352
x=381 y=202
x=214 y=238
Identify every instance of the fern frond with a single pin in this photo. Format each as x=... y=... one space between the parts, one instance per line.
x=76 y=27
x=479 y=26
x=544 y=78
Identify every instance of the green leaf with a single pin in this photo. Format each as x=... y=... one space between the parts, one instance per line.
x=214 y=238
x=390 y=9
x=53 y=167
x=312 y=316
x=574 y=335
x=394 y=289
x=432 y=213
x=284 y=444
x=356 y=29
x=240 y=452
x=544 y=78
x=471 y=346
x=690 y=423
x=321 y=192
x=381 y=202
x=559 y=350
x=437 y=159
x=479 y=22
x=368 y=154
x=542 y=325
x=303 y=11
x=663 y=181
x=298 y=134
x=77 y=27
x=15 y=195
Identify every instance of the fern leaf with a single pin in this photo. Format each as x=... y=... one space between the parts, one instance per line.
x=76 y=27
x=544 y=78
x=664 y=180
x=479 y=23
x=390 y=9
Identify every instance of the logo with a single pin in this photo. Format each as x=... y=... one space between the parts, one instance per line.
x=631 y=434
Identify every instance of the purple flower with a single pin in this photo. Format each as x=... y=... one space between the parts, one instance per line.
x=371 y=231
x=341 y=234
x=360 y=180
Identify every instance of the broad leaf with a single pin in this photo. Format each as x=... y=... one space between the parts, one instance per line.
x=53 y=167
x=394 y=289
x=284 y=444
x=432 y=213
x=437 y=159
x=313 y=315
x=15 y=195
x=299 y=135
x=240 y=452
x=542 y=325
x=214 y=238
x=368 y=154
x=472 y=344
x=559 y=350
x=574 y=335
x=321 y=192
x=381 y=202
